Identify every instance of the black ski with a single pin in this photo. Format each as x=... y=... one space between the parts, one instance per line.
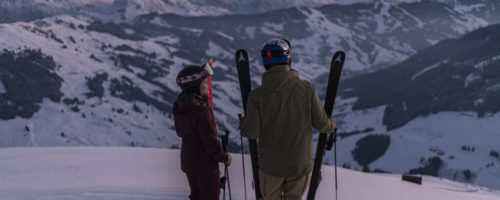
x=331 y=92
x=242 y=64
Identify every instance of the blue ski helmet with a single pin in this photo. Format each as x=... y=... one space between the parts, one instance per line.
x=276 y=51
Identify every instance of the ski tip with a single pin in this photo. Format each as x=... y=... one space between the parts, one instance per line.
x=205 y=61
x=339 y=52
x=210 y=62
x=339 y=57
x=241 y=55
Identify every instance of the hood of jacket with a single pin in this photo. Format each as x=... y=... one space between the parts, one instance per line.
x=279 y=77
x=185 y=111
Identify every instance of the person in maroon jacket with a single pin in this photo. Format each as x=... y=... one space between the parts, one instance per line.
x=195 y=124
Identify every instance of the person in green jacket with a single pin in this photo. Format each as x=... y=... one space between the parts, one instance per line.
x=281 y=114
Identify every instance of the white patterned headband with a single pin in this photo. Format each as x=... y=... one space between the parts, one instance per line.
x=207 y=71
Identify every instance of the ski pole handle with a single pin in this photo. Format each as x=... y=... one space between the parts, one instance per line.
x=241 y=120
x=331 y=139
x=225 y=140
x=335 y=135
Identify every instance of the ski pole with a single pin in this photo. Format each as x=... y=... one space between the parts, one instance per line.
x=243 y=161
x=223 y=182
x=224 y=177
x=228 y=184
x=335 y=149
x=332 y=142
x=226 y=171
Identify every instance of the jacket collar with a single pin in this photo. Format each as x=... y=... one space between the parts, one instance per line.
x=279 y=77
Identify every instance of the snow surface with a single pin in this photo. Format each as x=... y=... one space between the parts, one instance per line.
x=46 y=4
x=221 y=7
x=470 y=78
x=156 y=131
x=102 y=173
x=433 y=66
x=335 y=37
x=95 y=129
x=438 y=135
x=486 y=62
x=127 y=10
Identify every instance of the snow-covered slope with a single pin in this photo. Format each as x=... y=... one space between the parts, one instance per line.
x=127 y=10
x=378 y=34
x=437 y=111
x=375 y=34
x=482 y=8
x=151 y=174
x=107 y=98
x=114 y=83
x=91 y=82
x=26 y=10
x=253 y=6
x=461 y=141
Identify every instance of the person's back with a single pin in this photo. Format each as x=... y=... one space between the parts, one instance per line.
x=286 y=106
x=195 y=124
x=281 y=114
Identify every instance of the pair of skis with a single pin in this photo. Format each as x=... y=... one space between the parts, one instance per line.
x=242 y=64
x=245 y=87
x=243 y=68
x=331 y=92
x=224 y=139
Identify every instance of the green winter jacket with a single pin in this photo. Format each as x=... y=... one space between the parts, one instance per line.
x=281 y=114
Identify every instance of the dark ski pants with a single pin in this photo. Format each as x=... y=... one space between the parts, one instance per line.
x=205 y=187
x=287 y=188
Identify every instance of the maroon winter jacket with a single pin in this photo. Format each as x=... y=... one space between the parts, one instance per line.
x=200 y=151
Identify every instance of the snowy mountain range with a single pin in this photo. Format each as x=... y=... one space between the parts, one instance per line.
x=376 y=35
x=88 y=73
x=103 y=91
x=435 y=113
x=27 y=10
